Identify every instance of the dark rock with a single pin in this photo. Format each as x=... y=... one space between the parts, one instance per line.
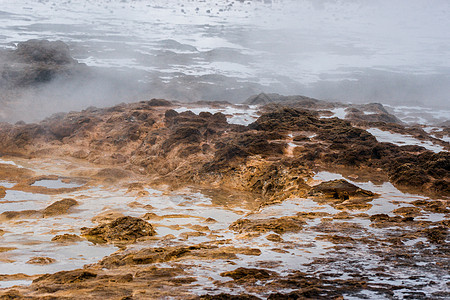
x=339 y=189
x=224 y=296
x=436 y=235
x=248 y=274
x=159 y=102
x=44 y=51
x=38 y=61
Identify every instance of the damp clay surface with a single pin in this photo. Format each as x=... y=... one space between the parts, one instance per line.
x=167 y=200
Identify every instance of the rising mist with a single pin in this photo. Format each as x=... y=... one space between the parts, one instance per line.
x=350 y=51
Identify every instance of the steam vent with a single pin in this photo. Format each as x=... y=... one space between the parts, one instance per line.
x=180 y=150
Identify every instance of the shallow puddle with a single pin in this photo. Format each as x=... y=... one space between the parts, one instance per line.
x=237 y=114
x=10 y=283
x=56 y=184
x=403 y=139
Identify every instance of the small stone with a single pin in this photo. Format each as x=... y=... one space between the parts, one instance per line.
x=41 y=261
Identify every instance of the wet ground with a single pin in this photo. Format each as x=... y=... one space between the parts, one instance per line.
x=391 y=260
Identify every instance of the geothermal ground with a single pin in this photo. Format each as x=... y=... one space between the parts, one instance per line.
x=169 y=196
x=277 y=198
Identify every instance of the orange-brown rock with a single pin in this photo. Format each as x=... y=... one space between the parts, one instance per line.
x=159 y=254
x=41 y=260
x=23 y=214
x=66 y=238
x=280 y=225
x=248 y=274
x=342 y=195
x=182 y=148
x=121 y=230
x=59 y=207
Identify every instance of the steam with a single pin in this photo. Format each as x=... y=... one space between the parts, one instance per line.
x=392 y=52
x=34 y=103
x=383 y=51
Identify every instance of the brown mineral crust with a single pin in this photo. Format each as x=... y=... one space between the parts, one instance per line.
x=121 y=230
x=41 y=261
x=353 y=147
x=249 y=274
x=12 y=294
x=337 y=239
x=271 y=180
x=384 y=220
x=13 y=173
x=17 y=276
x=342 y=195
x=224 y=296
x=407 y=211
x=340 y=189
x=23 y=214
x=182 y=148
x=350 y=229
x=274 y=238
x=59 y=207
x=158 y=255
x=66 y=238
x=437 y=235
x=312 y=214
x=435 y=206
x=288 y=119
x=142 y=283
x=306 y=286
x=187 y=235
x=6 y=249
x=112 y=175
x=55 y=209
x=280 y=225
x=66 y=277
